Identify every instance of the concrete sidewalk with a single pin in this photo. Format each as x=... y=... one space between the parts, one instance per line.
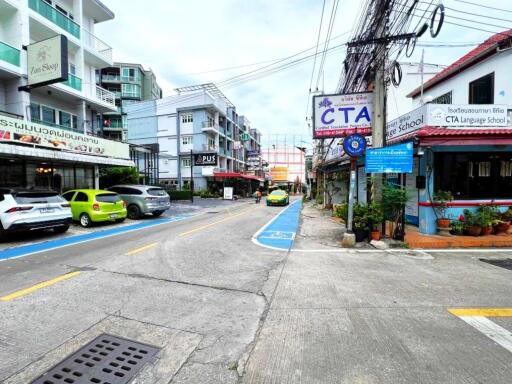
x=366 y=316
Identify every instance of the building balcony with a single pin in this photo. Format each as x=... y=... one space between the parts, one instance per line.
x=66 y=128
x=111 y=78
x=131 y=95
x=210 y=127
x=130 y=79
x=56 y=17
x=9 y=54
x=99 y=48
x=74 y=82
x=105 y=96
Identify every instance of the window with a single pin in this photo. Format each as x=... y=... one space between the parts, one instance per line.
x=130 y=90
x=211 y=143
x=476 y=175
x=65 y=119
x=443 y=99
x=80 y=196
x=72 y=68
x=188 y=118
x=481 y=91
x=108 y=198
x=35 y=111
x=186 y=140
x=130 y=74
x=211 y=121
x=74 y=122
x=48 y=114
x=186 y=163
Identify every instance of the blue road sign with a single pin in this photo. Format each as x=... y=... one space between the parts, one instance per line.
x=392 y=159
x=354 y=145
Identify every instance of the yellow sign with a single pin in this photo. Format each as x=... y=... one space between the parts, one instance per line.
x=279 y=174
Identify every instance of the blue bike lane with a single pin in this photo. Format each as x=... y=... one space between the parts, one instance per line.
x=279 y=233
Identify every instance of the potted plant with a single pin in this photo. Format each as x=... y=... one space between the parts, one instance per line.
x=360 y=222
x=457 y=227
x=471 y=226
x=486 y=217
x=394 y=199
x=375 y=218
x=441 y=200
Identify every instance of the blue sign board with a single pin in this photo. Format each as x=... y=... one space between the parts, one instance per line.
x=354 y=145
x=392 y=159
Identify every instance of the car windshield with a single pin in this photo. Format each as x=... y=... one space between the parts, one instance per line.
x=278 y=193
x=37 y=198
x=108 y=198
x=156 y=192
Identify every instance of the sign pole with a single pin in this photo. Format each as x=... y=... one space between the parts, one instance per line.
x=351 y=194
x=191 y=176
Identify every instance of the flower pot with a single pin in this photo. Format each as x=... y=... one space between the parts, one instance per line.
x=474 y=230
x=375 y=235
x=361 y=234
x=486 y=231
x=443 y=223
x=502 y=227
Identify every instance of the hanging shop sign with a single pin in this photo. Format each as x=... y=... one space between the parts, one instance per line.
x=205 y=159
x=333 y=115
x=354 y=145
x=392 y=159
x=408 y=123
x=244 y=137
x=47 y=61
x=26 y=132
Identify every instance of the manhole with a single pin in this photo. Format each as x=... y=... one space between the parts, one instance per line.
x=504 y=263
x=105 y=360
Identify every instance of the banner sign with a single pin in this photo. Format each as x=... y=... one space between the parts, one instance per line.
x=448 y=116
x=26 y=132
x=336 y=151
x=333 y=115
x=47 y=61
x=392 y=159
x=205 y=159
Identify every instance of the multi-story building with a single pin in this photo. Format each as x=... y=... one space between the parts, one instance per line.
x=70 y=110
x=130 y=83
x=197 y=119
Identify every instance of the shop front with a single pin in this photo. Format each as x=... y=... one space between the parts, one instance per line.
x=37 y=156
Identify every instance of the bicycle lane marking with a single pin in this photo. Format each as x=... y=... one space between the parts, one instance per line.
x=26 y=250
x=279 y=233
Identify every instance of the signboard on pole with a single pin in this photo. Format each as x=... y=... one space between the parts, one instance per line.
x=205 y=159
x=47 y=61
x=392 y=159
x=354 y=145
x=333 y=115
x=228 y=193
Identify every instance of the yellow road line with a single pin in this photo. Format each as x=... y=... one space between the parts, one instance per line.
x=483 y=312
x=215 y=222
x=39 y=286
x=137 y=250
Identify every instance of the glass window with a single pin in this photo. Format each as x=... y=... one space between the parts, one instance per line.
x=443 y=99
x=130 y=90
x=185 y=140
x=80 y=196
x=37 y=198
x=481 y=91
x=156 y=192
x=68 y=195
x=108 y=198
x=65 y=119
x=72 y=68
x=187 y=118
x=186 y=163
x=74 y=122
x=48 y=114
x=35 y=111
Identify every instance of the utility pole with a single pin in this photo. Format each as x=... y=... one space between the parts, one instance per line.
x=422 y=69
x=191 y=176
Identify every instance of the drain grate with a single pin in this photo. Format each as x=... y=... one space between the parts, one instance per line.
x=503 y=263
x=105 y=360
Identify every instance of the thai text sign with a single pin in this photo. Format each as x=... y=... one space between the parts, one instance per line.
x=392 y=159
x=333 y=115
x=47 y=61
x=26 y=132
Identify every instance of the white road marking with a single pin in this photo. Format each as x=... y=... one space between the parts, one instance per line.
x=490 y=329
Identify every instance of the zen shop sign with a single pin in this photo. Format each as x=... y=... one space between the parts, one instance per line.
x=448 y=116
x=205 y=159
x=333 y=115
x=26 y=132
x=47 y=61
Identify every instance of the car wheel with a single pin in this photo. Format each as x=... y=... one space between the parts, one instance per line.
x=157 y=213
x=120 y=220
x=133 y=212
x=61 y=229
x=85 y=220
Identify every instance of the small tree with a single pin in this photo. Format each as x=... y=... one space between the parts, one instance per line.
x=118 y=175
x=394 y=198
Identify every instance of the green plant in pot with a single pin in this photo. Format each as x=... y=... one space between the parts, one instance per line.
x=471 y=225
x=375 y=219
x=394 y=199
x=486 y=217
x=441 y=200
x=360 y=222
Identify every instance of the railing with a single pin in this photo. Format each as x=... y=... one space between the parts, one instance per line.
x=110 y=78
x=131 y=94
x=114 y=124
x=55 y=16
x=105 y=96
x=208 y=125
x=97 y=45
x=130 y=79
x=37 y=121
x=74 y=82
x=9 y=54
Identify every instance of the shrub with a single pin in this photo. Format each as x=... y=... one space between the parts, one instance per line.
x=341 y=211
x=441 y=200
x=118 y=175
x=179 y=195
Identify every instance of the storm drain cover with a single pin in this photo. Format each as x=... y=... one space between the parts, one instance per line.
x=107 y=360
x=504 y=263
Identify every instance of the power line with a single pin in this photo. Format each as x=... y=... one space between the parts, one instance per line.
x=317 y=45
x=484 y=6
x=326 y=46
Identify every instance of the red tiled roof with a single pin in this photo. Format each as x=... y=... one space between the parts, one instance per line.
x=464 y=62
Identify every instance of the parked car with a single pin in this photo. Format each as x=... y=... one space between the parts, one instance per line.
x=28 y=210
x=278 y=197
x=143 y=199
x=95 y=205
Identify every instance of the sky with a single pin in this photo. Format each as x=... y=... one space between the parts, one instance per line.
x=191 y=42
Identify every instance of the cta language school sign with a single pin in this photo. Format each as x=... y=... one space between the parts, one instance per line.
x=333 y=115
x=448 y=116
x=26 y=132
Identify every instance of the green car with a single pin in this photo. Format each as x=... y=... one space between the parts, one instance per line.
x=278 y=197
x=94 y=205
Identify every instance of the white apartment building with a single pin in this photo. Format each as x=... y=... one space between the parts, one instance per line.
x=72 y=108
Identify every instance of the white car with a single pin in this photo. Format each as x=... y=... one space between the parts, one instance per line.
x=28 y=210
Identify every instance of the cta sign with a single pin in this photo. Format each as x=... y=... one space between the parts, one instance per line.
x=334 y=114
x=47 y=61
x=205 y=159
x=407 y=123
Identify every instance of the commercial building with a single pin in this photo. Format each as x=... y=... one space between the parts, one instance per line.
x=49 y=136
x=130 y=83
x=199 y=119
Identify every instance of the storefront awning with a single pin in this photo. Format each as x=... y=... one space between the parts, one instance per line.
x=236 y=175
x=458 y=136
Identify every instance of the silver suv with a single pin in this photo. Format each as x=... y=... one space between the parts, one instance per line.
x=143 y=199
